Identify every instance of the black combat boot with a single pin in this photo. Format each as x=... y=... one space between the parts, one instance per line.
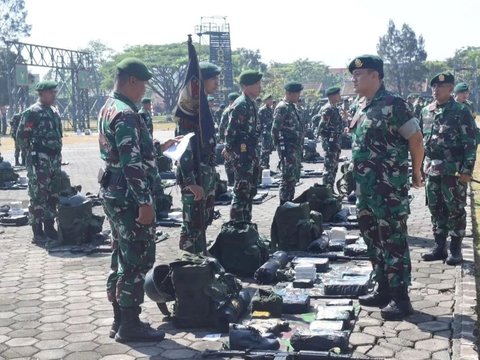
x=50 y=231
x=132 y=329
x=399 y=307
x=38 y=234
x=23 y=159
x=379 y=298
x=456 y=256
x=17 y=163
x=230 y=178
x=117 y=316
x=439 y=251
x=246 y=337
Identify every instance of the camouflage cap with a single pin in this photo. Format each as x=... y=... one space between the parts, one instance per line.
x=233 y=95
x=267 y=97
x=209 y=70
x=293 y=86
x=146 y=100
x=460 y=87
x=46 y=85
x=443 y=78
x=249 y=77
x=134 y=67
x=332 y=90
x=372 y=62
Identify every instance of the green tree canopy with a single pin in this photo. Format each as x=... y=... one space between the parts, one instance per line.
x=13 y=20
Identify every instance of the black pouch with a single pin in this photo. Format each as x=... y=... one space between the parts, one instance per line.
x=319 y=340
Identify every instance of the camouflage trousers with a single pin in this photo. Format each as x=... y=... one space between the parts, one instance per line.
x=244 y=190
x=229 y=167
x=133 y=254
x=18 y=152
x=447 y=198
x=44 y=181
x=291 y=162
x=385 y=234
x=330 y=168
x=266 y=151
x=190 y=234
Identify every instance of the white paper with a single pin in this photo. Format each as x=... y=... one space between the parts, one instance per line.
x=212 y=337
x=176 y=151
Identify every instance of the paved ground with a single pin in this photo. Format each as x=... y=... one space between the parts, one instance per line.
x=54 y=306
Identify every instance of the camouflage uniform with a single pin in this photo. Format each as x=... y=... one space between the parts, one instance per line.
x=380 y=159
x=188 y=173
x=229 y=168
x=130 y=175
x=331 y=129
x=13 y=132
x=449 y=138
x=241 y=140
x=40 y=134
x=287 y=133
x=265 y=116
x=147 y=117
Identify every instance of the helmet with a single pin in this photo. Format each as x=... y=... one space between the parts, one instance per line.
x=158 y=284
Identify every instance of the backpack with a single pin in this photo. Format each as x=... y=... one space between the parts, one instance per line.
x=239 y=249
x=321 y=199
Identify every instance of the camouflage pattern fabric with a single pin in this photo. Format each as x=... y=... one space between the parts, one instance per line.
x=265 y=116
x=241 y=141
x=222 y=128
x=40 y=134
x=13 y=132
x=331 y=129
x=128 y=152
x=450 y=149
x=287 y=134
x=380 y=168
x=147 y=117
x=188 y=173
x=113 y=274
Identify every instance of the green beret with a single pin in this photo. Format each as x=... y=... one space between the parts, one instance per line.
x=443 y=78
x=209 y=70
x=233 y=95
x=134 y=67
x=460 y=87
x=210 y=98
x=372 y=62
x=249 y=77
x=332 y=90
x=146 y=100
x=46 y=85
x=267 y=97
x=293 y=86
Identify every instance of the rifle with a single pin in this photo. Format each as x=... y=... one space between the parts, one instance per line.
x=279 y=355
x=329 y=256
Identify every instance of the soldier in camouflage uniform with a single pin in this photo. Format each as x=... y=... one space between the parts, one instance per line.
x=450 y=147
x=130 y=174
x=146 y=113
x=384 y=131
x=39 y=134
x=411 y=102
x=331 y=128
x=229 y=168
x=462 y=92
x=265 y=116
x=196 y=173
x=241 y=142
x=287 y=133
x=13 y=132
x=218 y=115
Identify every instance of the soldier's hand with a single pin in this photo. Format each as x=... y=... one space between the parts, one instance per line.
x=146 y=215
x=417 y=181
x=170 y=142
x=197 y=191
x=464 y=178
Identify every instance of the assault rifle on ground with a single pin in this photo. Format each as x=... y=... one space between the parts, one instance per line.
x=279 y=355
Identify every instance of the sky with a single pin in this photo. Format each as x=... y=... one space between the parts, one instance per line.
x=330 y=31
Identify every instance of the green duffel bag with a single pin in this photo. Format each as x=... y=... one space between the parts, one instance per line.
x=239 y=248
x=329 y=208
x=291 y=227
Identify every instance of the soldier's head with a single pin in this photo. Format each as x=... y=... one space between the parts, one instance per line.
x=293 y=91
x=462 y=92
x=132 y=78
x=333 y=94
x=250 y=81
x=411 y=98
x=268 y=99
x=147 y=103
x=442 y=86
x=210 y=73
x=47 y=92
x=232 y=97
x=367 y=74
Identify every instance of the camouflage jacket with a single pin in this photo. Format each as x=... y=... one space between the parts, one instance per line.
x=243 y=129
x=222 y=127
x=40 y=129
x=147 y=117
x=381 y=127
x=288 y=126
x=470 y=107
x=331 y=124
x=14 y=124
x=127 y=149
x=449 y=138
x=265 y=116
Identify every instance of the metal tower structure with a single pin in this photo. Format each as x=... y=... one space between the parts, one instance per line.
x=217 y=30
x=73 y=70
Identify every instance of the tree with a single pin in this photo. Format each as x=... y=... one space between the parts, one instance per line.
x=243 y=59
x=13 y=17
x=404 y=57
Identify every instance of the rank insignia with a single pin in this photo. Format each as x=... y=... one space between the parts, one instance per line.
x=243 y=147
x=358 y=63
x=441 y=77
